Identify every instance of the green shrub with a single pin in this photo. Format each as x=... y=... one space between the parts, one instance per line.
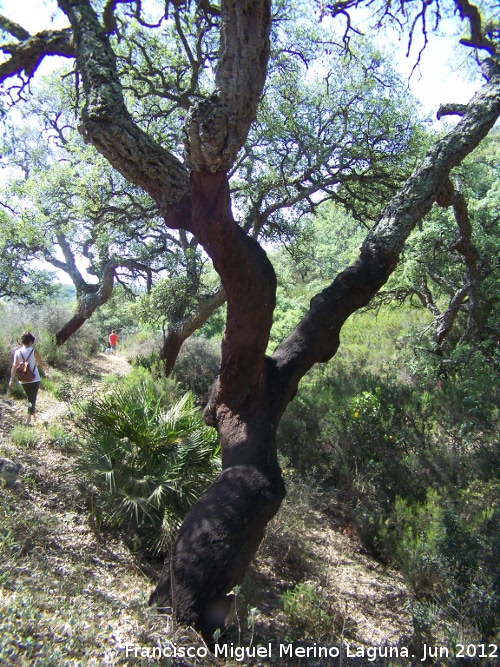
x=60 y=437
x=307 y=614
x=24 y=436
x=197 y=365
x=151 y=362
x=17 y=390
x=417 y=535
x=448 y=551
x=145 y=464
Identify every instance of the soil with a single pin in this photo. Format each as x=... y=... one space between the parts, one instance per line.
x=343 y=595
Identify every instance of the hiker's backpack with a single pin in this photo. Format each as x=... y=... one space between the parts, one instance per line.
x=23 y=371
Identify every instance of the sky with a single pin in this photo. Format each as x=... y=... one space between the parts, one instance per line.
x=442 y=77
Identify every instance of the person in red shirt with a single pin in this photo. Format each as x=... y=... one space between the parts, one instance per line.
x=113 y=337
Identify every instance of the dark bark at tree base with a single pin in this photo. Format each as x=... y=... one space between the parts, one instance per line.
x=215 y=545
x=69 y=329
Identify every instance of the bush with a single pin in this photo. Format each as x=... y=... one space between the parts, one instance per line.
x=61 y=437
x=307 y=614
x=145 y=464
x=418 y=471
x=24 y=436
x=198 y=365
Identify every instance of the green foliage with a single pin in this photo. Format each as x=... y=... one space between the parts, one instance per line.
x=24 y=436
x=145 y=464
x=18 y=279
x=306 y=614
x=116 y=314
x=61 y=437
x=160 y=304
x=45 y=321
x=447 y=548
x=198 y=365
x=417 y=534
x=214 y=326
x=414 y=462
x=151 y=362
x=453 y=274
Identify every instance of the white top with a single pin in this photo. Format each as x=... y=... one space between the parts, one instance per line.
x=25 y=351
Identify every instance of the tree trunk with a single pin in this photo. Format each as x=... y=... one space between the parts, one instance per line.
x=181 y=330
x=224 y=528
x=69 y=329
x=222 y=532
x=170 y=349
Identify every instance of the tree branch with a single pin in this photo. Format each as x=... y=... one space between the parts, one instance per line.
x=13 y=29
x=29 y=53
x=451 y=197
x=316 y=338
x=249 y=282
x=217 y=128
x=451 y=110
x=179 y=332
x=477 y=38
x=107 y=123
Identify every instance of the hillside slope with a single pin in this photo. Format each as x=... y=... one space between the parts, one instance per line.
x=70 y=595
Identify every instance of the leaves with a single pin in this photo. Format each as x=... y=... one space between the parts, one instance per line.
x=147 y=463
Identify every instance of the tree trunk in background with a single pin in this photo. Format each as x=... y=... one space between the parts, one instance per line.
x=170 y=349
x=69 y=329
x=181 y=330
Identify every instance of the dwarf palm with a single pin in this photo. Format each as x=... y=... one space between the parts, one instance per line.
x=146 y=464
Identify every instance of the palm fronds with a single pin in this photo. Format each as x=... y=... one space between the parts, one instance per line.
x=146 y=464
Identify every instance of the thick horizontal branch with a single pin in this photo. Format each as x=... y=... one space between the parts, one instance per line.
x=451 y=110
x=26 y=55
x=13 y=29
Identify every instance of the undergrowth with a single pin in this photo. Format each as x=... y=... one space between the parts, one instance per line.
x=144 y=462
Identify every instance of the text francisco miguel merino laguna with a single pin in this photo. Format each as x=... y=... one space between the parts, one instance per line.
x=241 y=653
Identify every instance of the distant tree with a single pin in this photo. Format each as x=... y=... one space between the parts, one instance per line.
x=72 y=211
x=18 y=279
x=451 y=264
x=208 y=66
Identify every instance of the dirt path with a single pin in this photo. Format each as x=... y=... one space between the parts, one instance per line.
x=49 y=408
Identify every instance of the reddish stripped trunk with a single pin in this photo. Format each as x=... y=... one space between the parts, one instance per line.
x=222 y=532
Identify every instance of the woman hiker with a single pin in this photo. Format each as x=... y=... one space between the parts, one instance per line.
x=28 y=353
